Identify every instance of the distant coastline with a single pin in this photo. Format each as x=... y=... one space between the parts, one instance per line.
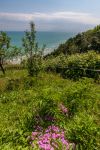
x=51 y=39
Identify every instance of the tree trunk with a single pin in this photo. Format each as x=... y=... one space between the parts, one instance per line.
x=1 y=66
x=2 y=69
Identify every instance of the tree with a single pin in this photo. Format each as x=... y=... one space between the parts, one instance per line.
x=4 y=45
x=14 y=53
x=33 y=53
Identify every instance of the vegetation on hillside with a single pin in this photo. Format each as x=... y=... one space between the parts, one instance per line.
x=75 y=66
x=29 y=104
x=32 y=51
x=39 y=109
x=82 y=42
x=4 y=45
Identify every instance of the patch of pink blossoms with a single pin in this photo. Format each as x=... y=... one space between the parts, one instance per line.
x=49 y=139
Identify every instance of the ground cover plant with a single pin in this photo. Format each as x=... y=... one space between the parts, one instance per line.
x=32 y=108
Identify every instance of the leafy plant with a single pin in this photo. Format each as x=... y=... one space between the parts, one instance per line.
x=75 y=66
x=4 y=45
x=33 y=53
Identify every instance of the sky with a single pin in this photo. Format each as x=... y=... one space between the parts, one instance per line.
x=49 y=15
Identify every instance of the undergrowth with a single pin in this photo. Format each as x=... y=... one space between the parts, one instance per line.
x=44 y=101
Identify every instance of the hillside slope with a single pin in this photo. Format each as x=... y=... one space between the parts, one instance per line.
x=29 y=106
x=82 y=42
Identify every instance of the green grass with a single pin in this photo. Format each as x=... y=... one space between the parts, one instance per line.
x=23 y=98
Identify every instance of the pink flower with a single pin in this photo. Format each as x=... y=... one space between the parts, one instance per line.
x=45 y=146
x=54 y=136
x=63 y=109
x=54 y=144
x=47 y=139
x=34 y=133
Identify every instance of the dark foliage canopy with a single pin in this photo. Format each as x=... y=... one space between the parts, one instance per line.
x=82 y=42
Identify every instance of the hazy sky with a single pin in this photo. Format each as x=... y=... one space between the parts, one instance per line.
x=49 y=15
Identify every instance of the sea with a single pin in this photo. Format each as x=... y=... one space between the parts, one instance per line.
x=50 y=39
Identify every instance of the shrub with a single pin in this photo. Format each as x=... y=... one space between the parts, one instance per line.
x=76 y=66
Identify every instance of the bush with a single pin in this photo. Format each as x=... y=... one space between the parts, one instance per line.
x=76 y=66
x=83 y=131
x=34 y=66
x=13 y=84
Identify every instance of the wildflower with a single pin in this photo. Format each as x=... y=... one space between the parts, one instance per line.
x=63 y=109
x=50 y=138
x=34 y=133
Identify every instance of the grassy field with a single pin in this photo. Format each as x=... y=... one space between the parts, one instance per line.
x=28 y=102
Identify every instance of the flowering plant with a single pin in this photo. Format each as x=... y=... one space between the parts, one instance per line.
x=52 y=138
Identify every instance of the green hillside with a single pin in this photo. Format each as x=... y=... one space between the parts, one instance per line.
x=53 y=103
x=29 y=106
x=82 y=42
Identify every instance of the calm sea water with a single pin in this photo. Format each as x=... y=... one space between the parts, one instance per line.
x=51 y=39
